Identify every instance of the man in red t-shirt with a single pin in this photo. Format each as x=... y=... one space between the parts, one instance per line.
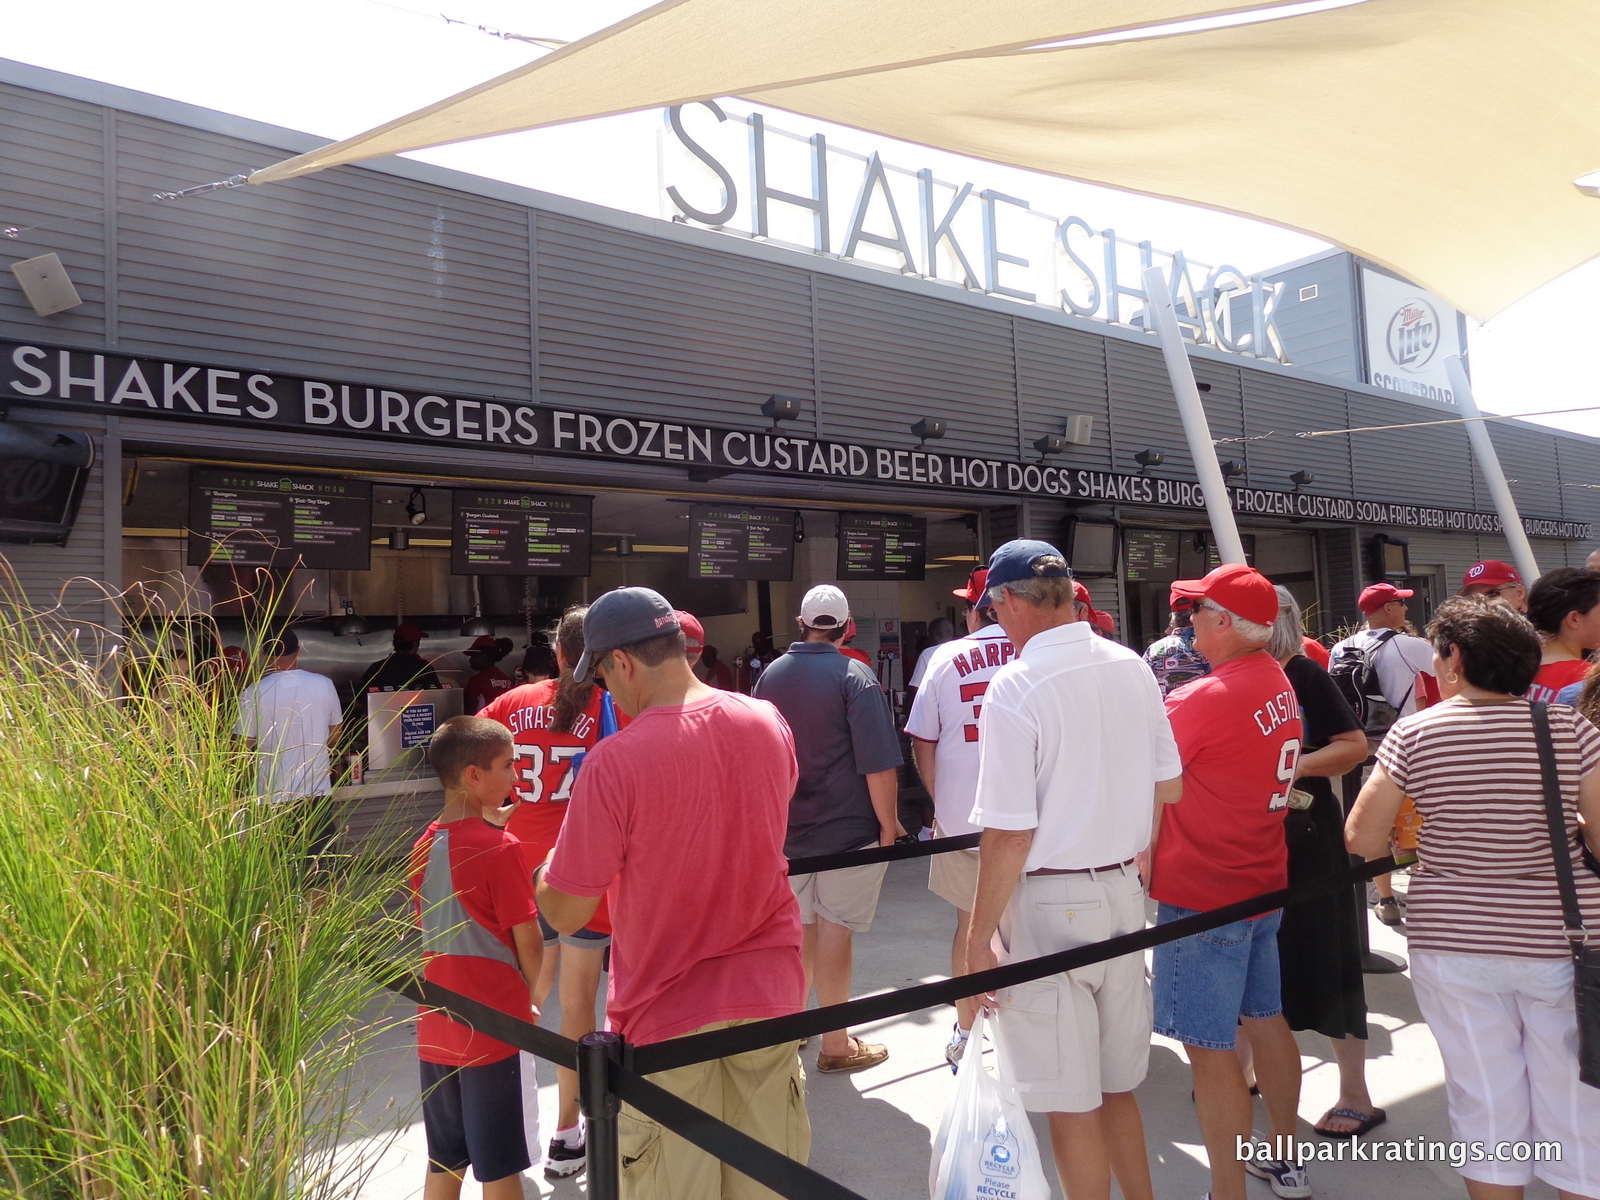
x=1238 y=732
x=480 y=937
x=701 y=779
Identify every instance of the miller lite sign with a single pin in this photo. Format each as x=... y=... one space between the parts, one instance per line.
x=1410 y=334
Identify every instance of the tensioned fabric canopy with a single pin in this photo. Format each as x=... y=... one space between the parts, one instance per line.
x=1440 y=138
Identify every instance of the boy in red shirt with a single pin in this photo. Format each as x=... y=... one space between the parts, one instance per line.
x=480 y=937
x=1238 y=732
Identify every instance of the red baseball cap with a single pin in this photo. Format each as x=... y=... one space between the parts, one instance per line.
x=1238 y=588
x=694 y=633
x=409 y=633
x=977 y=584
x=1379 y=594
x=1490 y=573
x=1103 y=620
x=1081 y=593
x=486 y=642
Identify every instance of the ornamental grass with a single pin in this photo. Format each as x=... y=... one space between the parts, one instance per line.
x=180 y=1006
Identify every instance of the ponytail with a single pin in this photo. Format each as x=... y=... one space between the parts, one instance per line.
x=572 y=697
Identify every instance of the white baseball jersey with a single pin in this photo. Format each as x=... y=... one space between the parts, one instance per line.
x=946 y=712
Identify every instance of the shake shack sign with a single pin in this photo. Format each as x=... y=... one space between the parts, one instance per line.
x=162 y=388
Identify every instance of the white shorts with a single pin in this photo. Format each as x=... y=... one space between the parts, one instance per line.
x=953 y=876
x=847 y=897
x=1066 y=1039
x=1508 y=1035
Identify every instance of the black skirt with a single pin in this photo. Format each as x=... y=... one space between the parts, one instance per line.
x=1319 y=946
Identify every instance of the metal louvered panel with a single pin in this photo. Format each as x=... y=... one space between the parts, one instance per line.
x=1320 y=332
x=1339 y=567
x=640 y=324
x=1063 y=372
x=1409 y=466
x=52 y=187
x=889 y=358
x=66 y=576
x=1528 y=458
x=1144 y=412
x=1223 y=404
x=1579 y=464
x=350 y=272
x=1274 y=404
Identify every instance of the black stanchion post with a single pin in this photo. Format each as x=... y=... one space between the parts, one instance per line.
x=596 y=1053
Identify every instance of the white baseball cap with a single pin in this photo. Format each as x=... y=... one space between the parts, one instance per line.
x=824 y=607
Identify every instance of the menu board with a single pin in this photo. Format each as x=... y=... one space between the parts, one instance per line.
x=1150 y=554
x=882 y=546
x=739 y=542
x=262 y=519
x=520 y=533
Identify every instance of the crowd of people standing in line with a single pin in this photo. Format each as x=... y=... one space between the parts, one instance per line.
x=1198 y=774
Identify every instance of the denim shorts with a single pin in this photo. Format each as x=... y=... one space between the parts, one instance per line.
x=1204 y=983
x=584 y=939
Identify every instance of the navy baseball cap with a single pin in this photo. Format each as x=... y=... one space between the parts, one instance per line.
x=1015 y=559
x=620 y=618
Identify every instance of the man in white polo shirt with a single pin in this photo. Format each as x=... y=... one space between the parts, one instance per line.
x=1076 y=752
x=943 y=727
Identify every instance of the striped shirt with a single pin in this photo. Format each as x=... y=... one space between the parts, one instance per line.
x=1485 y=882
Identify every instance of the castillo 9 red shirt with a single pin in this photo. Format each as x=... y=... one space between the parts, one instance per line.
x=1239 y=733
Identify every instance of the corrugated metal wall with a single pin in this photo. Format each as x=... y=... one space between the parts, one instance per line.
x=371 y=276
x=1321 y=333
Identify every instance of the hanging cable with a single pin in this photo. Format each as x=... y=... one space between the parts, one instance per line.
x=503 y=35
x=1316 y=433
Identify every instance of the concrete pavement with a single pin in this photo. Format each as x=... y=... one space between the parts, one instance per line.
x=873 y=1130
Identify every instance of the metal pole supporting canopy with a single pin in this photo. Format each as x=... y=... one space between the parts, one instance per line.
x=1489 y=463
x=1196 y=428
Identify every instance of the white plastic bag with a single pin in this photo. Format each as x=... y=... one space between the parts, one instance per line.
x=985 y=1149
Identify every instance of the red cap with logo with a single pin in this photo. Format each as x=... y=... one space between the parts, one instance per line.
x=1490 y=573
x=694 y=633
x=409 y=633
x=977 y=584
x=1379 y=594
x=1236 y=587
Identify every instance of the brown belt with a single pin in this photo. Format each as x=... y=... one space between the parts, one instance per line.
x=1085 y=870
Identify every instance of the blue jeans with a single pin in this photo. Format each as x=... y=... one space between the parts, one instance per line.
x=1204 y=983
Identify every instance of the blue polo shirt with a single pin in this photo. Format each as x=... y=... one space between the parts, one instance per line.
x=843 y=732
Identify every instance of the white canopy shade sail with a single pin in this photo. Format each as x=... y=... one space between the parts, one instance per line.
x=1439 y=138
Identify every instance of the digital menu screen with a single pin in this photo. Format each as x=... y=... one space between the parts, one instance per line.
x=728 y=541
x=882 y=546
x=520 y=533
x=263 y=519
x=1150 y=554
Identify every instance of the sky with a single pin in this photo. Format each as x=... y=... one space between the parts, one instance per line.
x=336 y=67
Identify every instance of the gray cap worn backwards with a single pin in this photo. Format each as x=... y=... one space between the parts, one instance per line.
x=620 y=618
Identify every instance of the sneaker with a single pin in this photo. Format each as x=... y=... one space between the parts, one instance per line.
x=1287 y=1180
x=954 y=1047
x=563 y=1160
x=1389 y=911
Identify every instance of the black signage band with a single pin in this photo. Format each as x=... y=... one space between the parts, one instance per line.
x=160 y=387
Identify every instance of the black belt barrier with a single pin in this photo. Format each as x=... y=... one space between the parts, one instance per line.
x=609 y=1068
x=878 y=854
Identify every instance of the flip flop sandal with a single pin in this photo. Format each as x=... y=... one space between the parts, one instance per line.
x=1369 y=1122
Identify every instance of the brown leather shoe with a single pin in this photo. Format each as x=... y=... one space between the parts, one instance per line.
x=862 y=1055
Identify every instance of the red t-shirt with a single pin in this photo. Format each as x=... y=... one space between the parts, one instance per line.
x=1238 y=732
x=1316 y=652
x=858 y=655
x=683 y=815
x=1552 y=677
x=546 y=767
x=491 y=882
x=486 y=685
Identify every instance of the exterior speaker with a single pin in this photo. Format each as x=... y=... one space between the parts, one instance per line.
x=1080 y=429
x=46 y=284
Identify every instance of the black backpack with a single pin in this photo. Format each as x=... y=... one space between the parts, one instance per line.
x=1355 y=673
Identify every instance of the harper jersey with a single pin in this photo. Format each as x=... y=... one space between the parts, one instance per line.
x=547 y=764
x=946 y=712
